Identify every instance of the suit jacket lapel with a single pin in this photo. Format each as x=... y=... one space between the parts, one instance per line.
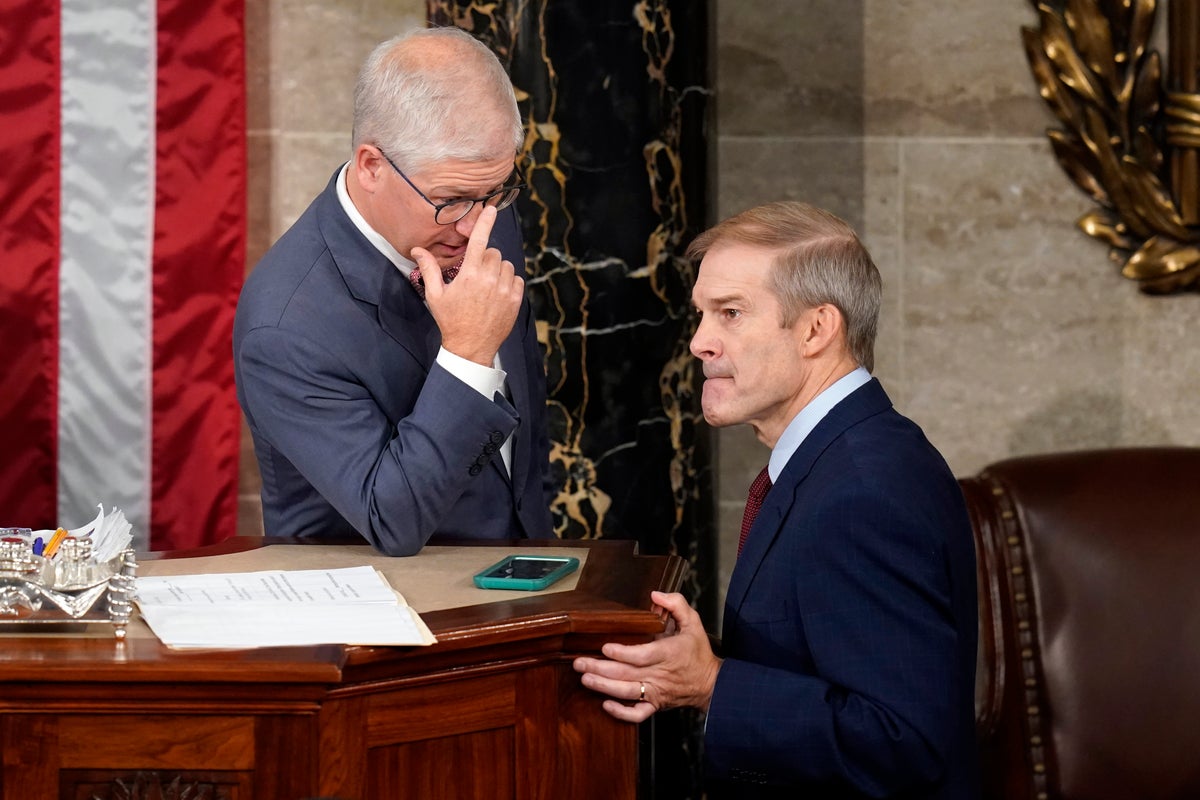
x=506 y=236
x=404 y=317
x=512 y=356
x=866 y=401
x=376 y=281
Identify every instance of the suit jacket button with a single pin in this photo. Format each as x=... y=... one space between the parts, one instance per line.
x=497 y=437
x=475 y=470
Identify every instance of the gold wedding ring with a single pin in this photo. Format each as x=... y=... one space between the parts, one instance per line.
x=642 y=696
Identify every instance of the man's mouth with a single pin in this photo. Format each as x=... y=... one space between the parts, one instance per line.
x=449 y=254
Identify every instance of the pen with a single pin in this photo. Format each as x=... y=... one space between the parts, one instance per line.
x=38 y=546
x=55 y=541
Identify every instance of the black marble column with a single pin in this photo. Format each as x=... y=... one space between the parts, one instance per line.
x=615 y=94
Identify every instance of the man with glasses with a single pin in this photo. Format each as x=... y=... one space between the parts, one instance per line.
x=380 y=401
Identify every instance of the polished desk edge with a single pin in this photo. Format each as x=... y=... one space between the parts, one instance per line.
x=606 y=600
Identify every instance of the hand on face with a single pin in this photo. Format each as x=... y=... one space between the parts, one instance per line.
x=676 y=669
x=477 y=311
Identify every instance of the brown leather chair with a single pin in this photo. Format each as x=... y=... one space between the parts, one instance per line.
x=1089 y=670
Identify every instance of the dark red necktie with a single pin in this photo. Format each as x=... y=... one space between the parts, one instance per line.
x=418 y=282
x=754 y=501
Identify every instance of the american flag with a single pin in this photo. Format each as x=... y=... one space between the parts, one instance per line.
x=122 y=248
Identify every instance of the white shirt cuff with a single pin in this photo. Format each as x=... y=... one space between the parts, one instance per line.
x=485 y=380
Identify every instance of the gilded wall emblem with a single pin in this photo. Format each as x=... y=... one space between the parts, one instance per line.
x=1130 y=133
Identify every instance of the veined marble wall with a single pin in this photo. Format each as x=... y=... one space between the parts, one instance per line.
x=1005 y=331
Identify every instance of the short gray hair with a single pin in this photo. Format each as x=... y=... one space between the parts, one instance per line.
x=435 y=93
x=819 y=259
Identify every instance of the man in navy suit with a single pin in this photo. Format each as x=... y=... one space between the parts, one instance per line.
x=847 y=662
x=380 y=401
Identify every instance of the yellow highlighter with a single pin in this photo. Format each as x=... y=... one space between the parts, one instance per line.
x=55 y=541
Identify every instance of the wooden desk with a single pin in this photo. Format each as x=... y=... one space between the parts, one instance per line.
x=493 y=710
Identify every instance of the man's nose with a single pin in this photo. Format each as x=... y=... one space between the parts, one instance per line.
x=702 y=345
x=467 y=224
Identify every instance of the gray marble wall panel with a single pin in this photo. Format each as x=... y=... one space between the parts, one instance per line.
x=946 y=69
x=789 y=67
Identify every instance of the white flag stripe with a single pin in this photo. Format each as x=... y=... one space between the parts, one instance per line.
x=109 y=56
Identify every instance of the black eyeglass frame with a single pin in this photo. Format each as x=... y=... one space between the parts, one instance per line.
x=507 y=195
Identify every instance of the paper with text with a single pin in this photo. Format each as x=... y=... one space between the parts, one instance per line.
x=353 y=606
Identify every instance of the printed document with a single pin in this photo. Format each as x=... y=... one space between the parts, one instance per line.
x=353 y=606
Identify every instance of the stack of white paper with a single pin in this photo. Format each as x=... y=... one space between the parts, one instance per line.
x=110 y=534
x=279 y=608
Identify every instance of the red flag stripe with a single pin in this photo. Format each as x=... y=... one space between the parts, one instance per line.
x=29 y=251
x=199 y=262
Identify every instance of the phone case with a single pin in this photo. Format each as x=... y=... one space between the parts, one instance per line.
x=566 y=565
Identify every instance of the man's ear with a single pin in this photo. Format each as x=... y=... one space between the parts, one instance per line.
x=367 y=167
x=818 y=329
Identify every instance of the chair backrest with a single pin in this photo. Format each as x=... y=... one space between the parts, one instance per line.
x=1089 y=585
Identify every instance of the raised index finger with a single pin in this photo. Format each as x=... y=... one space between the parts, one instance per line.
x=478 y=243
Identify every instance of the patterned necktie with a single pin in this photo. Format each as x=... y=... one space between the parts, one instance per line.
x=754 y=501
x=418 y=282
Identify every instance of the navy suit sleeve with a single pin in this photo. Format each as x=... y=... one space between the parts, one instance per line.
x=846 y=663
x=393 y=484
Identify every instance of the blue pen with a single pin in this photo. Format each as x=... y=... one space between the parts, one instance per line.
x=38 y=546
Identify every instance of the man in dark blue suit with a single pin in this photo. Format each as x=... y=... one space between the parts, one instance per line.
x=380 y=401
x=847 y=662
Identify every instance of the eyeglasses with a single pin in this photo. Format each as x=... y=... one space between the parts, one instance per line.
x=452 y=211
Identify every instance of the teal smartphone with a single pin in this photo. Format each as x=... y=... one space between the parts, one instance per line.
x=528 y=573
